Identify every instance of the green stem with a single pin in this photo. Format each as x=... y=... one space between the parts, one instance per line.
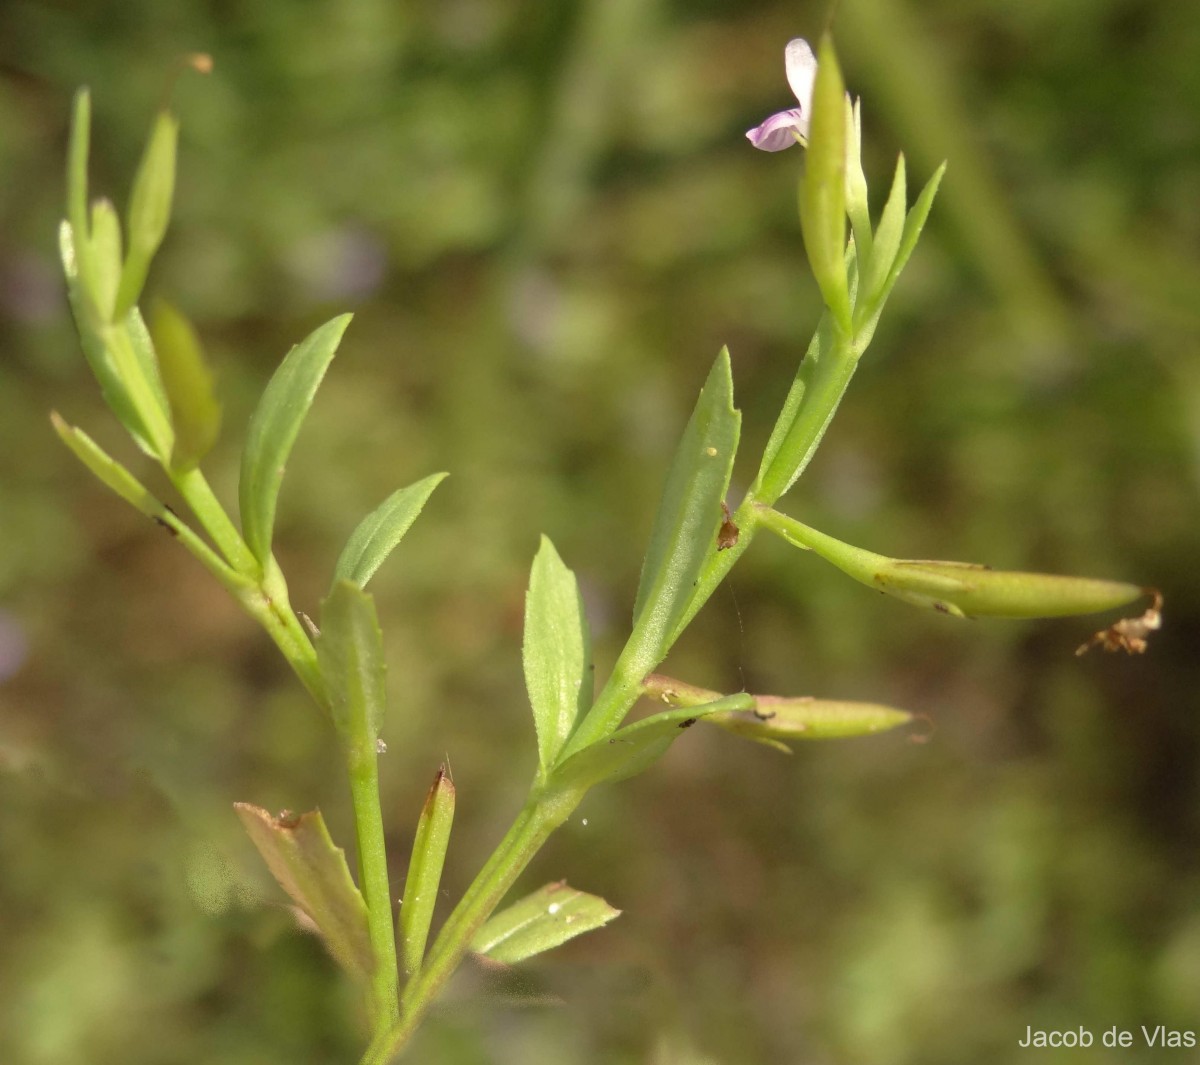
x=541 y=815
x=363 y=768
x=266 y=600
x=199 y=496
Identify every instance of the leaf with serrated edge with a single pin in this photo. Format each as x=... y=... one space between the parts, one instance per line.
x=556 y=652
x=689 y=514
x=274 y=427
x=540 y=922
x=381 y=530
x=313 y=871
x=350 y=653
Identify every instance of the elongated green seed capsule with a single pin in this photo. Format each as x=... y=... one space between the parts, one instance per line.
x=425 y=870
x=959 y=588
x=774 y=719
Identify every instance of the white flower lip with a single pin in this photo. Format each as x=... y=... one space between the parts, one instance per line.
x=785 y=128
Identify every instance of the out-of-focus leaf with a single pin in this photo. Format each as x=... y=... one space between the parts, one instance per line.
x=425 y=870
x=689 y=515
x=273 y=428
x=303 y=858
x=540 y=922
x=195 y=413
x=350 y=653
x=381 y=530
x=556 y=652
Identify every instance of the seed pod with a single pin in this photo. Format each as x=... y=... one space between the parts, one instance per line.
x=959 y=588
x=774 y=719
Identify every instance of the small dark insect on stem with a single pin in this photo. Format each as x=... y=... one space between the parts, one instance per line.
x=728 y=533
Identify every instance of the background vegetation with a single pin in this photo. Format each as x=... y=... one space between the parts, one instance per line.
x=547 y=221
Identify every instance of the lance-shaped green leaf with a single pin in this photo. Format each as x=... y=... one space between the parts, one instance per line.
x=149 y=208
x=350 y=653
x=540 y=922
x=425 y=870
x=303 y=858
x=857 y=207
x=129 y=488
x=381 y=530
x=274 y=427
x=776 y=720
x=823 y=190
x=195 y=412
x=914 y=224
x=634 y=748
x=108 y=469
x=872 y=289
x=689 y=515
x=556 y=652
x=91 y=338
x=959 y=588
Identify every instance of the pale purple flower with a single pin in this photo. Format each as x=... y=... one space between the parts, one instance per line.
x=786 y=128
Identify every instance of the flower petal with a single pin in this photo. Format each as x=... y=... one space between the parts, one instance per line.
x=779 y=131
x=801 y=67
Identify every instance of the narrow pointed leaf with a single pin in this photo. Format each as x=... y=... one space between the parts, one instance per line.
x=540 y=922
x=149 y=207
x=914 y=223
x=857 y=207
x=425 y=870
x=381 y=530
x=634 y=748
x=307 y=865
x=350 y=653
x=823 y=190
x=274 y=427
x=872 y=287
x=108 y=469
x=689 y=514
x=195 y=413
x=556 y=652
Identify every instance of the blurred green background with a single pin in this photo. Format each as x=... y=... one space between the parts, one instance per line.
x=547 y=221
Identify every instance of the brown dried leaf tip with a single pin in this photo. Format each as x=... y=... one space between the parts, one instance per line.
x=728 y=533
x=1129 y=634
